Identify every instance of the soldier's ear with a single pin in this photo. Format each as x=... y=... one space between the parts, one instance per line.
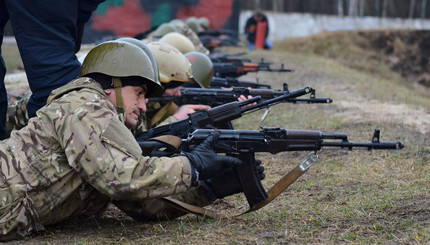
x=108 y=91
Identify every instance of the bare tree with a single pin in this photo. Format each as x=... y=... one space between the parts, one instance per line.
x=257 y=4
x=411 y=9
x=278 y=5
x=352 y=8
x=361 y=7
x=423 y=8
x=340 y=7
x=384 y=8
x=377 y=7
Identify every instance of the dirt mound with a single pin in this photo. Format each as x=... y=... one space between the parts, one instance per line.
x=406 y=52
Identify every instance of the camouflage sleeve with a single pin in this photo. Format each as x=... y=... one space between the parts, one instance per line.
x=158 y=209
x=99 y=147
x=170 y=119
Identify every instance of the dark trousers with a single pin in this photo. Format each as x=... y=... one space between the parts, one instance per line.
x=46 y=34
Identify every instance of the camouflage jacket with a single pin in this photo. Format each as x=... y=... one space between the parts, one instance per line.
x=73 y=159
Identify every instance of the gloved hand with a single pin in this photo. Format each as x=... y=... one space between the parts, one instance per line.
x=226 y=183
x=206 y=161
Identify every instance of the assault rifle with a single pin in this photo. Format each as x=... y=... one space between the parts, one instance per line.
x=228 y=82
x=216 y=97
x=218 y=116
x=245 y=143
x=238 y=68
x=217 y=33
x=219 y=57
x=212 y=42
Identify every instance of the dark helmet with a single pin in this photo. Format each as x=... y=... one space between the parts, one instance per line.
x=202 y=68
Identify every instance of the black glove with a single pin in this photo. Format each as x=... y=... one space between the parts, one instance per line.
x=226 y=183
x=206 y=162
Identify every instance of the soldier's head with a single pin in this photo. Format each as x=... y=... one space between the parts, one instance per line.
x=194 y=24
x=126 y=74
x=177 y=23
x=163 y=29
x=179 y=41
x=173 y=67
x=204 y=23
x=202 y=68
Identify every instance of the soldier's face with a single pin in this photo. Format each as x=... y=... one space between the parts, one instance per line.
x=172 y=92
x=134 y=101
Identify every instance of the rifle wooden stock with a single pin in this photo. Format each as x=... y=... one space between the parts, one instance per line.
x=238 y=68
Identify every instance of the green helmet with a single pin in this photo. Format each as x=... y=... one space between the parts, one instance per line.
x=147 y=50
x=179 y=41
x=163 y=29
x=194 y=24
x=177 y=23
x=202 y=68
x=122 y=60
x=204 y=22
x=172 y=64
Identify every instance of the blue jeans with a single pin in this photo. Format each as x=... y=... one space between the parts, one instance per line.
x=267 y=45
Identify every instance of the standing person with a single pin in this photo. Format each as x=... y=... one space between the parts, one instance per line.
x=257 y=23
x=78 y=154
x=48 y=34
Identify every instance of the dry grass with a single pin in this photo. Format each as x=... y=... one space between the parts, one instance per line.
x=357 y=197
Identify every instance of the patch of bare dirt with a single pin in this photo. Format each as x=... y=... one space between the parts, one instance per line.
x=406 y=52
x=381 y=112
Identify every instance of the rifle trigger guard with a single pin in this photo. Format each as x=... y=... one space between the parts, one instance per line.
x=309 y=161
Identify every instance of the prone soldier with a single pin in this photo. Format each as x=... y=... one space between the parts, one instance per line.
x=79 y=154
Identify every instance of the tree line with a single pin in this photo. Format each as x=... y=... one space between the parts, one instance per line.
x=378 y=8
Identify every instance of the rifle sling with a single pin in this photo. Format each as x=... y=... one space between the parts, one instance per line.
x=166 y=111
x=171 y=142
x=275 y=191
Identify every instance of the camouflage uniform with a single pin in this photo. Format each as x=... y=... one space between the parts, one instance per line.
x=74 y=158
x=188 y=32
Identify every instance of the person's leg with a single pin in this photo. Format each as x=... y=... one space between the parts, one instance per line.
x=46 y=36
x=4 y=16
x=251 y=45
x=268 y=44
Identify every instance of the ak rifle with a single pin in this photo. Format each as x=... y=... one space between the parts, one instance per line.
x=239 y=68
x=218 y=116
x=215 y=97
x=228 y=82
x=245 y=143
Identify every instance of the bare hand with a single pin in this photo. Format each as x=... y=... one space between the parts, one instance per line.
x=242 y=98
x=185 y=110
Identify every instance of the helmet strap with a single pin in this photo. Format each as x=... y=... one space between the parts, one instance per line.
x=117 y=84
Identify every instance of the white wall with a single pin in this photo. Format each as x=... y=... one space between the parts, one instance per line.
x=287 y=25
